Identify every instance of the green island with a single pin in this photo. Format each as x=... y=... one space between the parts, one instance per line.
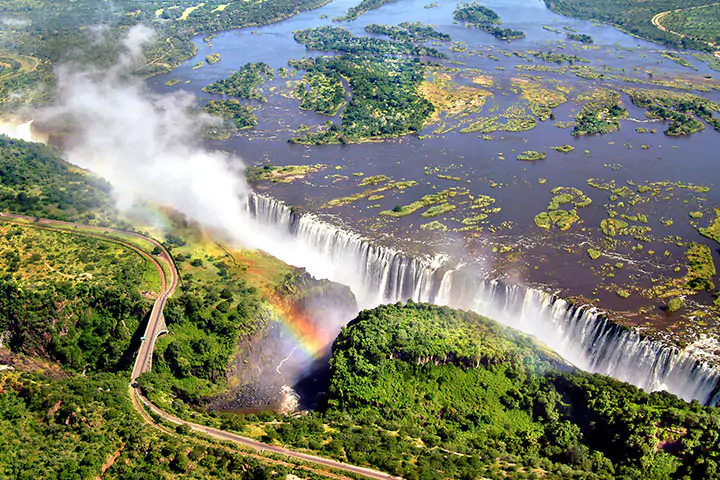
x=600 y=115
x=341 y=40
x=234 y=115
x=362 y=7
x=244 y=83
x=484 y=18
x=580 y=37
x=408 y=31
x=387 y=85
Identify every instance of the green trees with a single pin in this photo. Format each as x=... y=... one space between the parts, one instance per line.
x=35 y=181
x=429 y=392
x=633 y=17
x=242 y=84
x=387 y=85
x=485 y=19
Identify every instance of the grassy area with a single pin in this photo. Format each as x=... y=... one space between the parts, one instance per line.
x=70 y=257
x=425 y=201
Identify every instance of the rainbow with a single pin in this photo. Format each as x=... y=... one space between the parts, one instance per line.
x=308 y=336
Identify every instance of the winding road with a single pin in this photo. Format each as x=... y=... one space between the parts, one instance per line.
x=156 y=326
x=657 y=22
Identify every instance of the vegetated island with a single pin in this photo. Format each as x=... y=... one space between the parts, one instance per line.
x=484 y=18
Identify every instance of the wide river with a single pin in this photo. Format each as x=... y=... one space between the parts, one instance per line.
x=509 y=244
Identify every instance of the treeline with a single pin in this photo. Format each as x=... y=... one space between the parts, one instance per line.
x=35 y=181
x=429 y=392
x=632 y=17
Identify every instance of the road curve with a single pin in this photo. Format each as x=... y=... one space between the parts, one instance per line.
x=657 y=19
x=142 y=363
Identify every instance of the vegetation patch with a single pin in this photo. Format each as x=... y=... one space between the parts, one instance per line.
x=234 y=115
x=531 y=156
x=244 y=83
x=321 y=92
x=712 y=231
x=601 y=115
x=483 y=18
x=563 y=148
x=425 y=201
x=562 y=209
x=340 y=40
x=680 y=109
x=282 y=174
x=385 y=99
x=408 y=31
x=451 y=98
x=542 y=100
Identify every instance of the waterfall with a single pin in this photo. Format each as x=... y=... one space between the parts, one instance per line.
x=579 y=333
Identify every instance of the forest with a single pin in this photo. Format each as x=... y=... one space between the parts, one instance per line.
x=387 y=85
x=633 y=17
x=341 y=40
x=56 y=32
x=34 y=181
x=432 y=392
x=244 y=83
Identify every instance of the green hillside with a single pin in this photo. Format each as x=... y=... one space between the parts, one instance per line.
x=429 y=392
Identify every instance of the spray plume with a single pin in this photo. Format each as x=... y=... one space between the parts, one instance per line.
x=146 y=145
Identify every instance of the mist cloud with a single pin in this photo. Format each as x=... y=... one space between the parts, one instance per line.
x=147 y=145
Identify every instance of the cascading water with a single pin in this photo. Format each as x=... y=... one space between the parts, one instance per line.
x=581 y=334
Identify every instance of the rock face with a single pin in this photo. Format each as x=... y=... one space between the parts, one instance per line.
x=291 y=345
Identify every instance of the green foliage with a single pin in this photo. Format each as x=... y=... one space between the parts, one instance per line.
x=235 y=117
x=244 y=82
x=601 y=115
x=531 y=156
x=580 y=37
x=475 y=13
x=362 y=7
x=485 y=19
x=340 y=40
x=679 y=109
x=69 y=426
x=632 y=17
x=712 y=231
x=207 y=320
x=408 y=31
x=321 y=92
x=35 y=181
x=465 y=397
x=385 y=99
x=674 y=304
x=701 y=268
